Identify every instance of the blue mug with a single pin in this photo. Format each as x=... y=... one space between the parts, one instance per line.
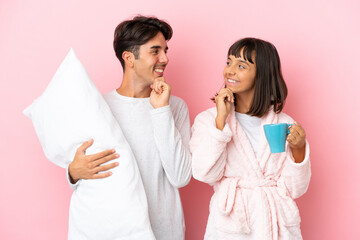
x=276 y=136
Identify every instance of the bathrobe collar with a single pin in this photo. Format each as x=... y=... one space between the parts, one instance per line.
x=244 y=147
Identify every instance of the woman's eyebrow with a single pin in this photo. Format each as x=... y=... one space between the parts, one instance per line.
x=243 y=61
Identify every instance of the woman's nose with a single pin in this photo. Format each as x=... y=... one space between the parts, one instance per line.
x=230 y=70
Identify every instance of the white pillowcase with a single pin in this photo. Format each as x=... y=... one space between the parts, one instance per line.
x=68 y=113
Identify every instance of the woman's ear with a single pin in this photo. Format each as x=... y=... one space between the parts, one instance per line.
x=128 y=58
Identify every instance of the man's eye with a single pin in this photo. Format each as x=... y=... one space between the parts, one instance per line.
x=156 y=51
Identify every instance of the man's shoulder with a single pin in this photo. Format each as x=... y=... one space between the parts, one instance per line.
x=108 y=95
x=176 y=102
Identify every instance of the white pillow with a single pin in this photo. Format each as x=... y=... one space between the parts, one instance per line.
x=68 y=113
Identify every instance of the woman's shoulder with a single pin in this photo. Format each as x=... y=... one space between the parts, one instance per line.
x=208 y=113
x=205 y=119
x=283 y=117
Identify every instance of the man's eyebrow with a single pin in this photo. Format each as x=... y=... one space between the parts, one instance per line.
x=158 y=47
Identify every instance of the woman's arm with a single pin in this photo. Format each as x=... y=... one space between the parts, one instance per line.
x=208 y=147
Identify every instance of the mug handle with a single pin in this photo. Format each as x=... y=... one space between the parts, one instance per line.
x=289 y=124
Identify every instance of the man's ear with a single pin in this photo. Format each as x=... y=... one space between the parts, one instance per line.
x=129 y=59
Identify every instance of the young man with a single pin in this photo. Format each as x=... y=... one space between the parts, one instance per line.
x=155 y=124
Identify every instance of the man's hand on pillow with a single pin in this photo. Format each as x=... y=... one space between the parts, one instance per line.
x=87 y=167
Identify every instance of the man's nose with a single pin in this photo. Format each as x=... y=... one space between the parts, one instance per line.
x=164 y=58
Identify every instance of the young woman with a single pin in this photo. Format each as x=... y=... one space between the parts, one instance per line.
x=253 y=188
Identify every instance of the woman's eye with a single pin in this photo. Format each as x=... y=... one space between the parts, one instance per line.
x=241 y=66
x=227 y=63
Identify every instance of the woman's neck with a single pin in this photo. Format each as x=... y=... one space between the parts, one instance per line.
x=243 y=102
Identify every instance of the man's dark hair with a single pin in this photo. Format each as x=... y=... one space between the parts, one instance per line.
x=131 y=34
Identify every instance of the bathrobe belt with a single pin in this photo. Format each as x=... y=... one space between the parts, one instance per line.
x=228 y=194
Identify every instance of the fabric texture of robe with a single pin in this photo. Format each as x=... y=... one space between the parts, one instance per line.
x=253 y=194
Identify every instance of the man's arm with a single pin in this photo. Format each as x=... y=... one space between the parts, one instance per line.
x=171 y=133
x=172 y=136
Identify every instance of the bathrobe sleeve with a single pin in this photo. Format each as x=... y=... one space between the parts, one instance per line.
x=172 y=135
x=295 y=177
x=208 y=147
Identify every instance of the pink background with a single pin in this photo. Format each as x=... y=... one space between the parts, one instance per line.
x=318 y=42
